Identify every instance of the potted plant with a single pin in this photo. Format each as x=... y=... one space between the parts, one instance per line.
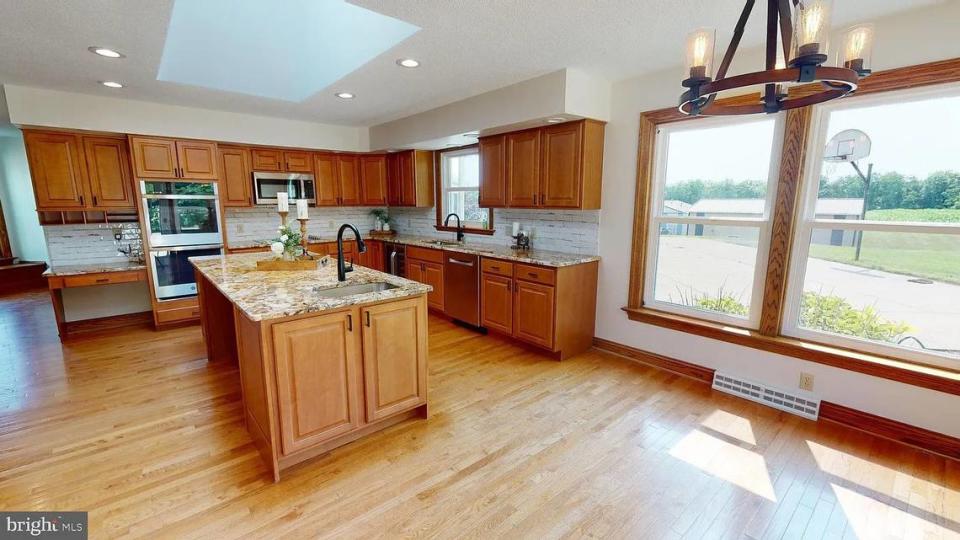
x=287 y=244
x=382 y=217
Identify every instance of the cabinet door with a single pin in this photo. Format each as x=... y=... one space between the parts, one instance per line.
x=523 y=168
x=393 y=180
x=414 y=270
x=108 y=170
x=533 y=313
x=318 y=378
x=198 y=160
x=327 y=180
x=373 y=180
x=433 y=276
x=235 y=178
x=154 y=157
x=267 y=159
x=408 y=179
x=394 y=357
x=496 y=303
x=298 y=161
x=561 y=178
x=493 y=173
x=348 y=169
x=56 y=167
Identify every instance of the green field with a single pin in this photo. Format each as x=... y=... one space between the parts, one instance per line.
x=935 y=257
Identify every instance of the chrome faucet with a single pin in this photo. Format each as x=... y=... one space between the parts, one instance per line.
x=341 y=267
x=446 y=223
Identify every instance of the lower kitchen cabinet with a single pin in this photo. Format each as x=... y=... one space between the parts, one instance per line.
x=394 y=365
x=496 y=305
x=426 y=266
x=318 y=364
x=534 y=313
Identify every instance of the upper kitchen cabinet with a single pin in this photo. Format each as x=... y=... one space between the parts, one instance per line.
x=373 y=180
x=235 y=178
x=558 y=166
x=76 y=171
x=411 y=178
x=327 y=179
x=155 y=157
x=279 y=160
x=348 y=171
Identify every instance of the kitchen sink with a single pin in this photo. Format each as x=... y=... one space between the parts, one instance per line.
x=350 y=290
x=445 y=243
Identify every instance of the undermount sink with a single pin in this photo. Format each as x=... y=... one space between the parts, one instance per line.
x=445 y=243
x=350 y=290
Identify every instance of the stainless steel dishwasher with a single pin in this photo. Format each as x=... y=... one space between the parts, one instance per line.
x=461 y=287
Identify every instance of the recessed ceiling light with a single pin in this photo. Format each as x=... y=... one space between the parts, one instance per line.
x=103 y=51
x=345 y=95
x=556 y=120
x=408 y=63
x=111 y=84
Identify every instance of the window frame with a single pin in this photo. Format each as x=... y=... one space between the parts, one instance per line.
x=441 y=191
x=762 y=224
x=806 y=222
x=770 y=337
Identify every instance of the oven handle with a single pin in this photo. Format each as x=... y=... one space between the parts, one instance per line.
x=171 y=196
x=186 y=248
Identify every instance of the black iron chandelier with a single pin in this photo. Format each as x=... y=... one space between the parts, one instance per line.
x=803 y=27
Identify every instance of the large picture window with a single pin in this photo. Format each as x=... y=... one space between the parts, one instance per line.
x=714 y=183
x=876 y=257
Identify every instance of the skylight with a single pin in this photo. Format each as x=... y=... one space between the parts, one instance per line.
x=286 y=50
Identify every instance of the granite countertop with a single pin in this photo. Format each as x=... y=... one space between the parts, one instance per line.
x=264 y=295
x=95 y=268
x=313 y=239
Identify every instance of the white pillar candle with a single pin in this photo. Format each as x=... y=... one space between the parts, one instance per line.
x=283 y=204
x=516 y=228
x=302 y=209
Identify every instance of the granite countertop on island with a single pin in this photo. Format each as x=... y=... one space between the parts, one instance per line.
x=264 y=295
x=93 y=268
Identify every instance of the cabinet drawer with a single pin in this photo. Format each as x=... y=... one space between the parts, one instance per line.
x=103 y=279
x=178 y=314
x=537 y=274
x=425 y=254
x=496 y=266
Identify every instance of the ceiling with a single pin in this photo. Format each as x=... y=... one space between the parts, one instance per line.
x=466 y=47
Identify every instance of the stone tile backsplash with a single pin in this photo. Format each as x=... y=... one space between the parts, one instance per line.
x=92 y=243
x=259 y=223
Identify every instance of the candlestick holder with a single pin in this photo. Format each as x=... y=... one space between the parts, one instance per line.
x=283 y=218
x=305 y=261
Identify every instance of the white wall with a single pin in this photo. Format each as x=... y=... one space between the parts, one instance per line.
x=16 y=194
x=916 y=38
x=50 y=108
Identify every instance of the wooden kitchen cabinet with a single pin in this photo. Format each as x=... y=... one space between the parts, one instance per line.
x=348 y=172
x=394 y=365
x=373 y=257
x=318 y=366
x=493 y=179
x=57 y=169
x=373 y=180
x=235 y=178
x=426 y=266
x=157 y=157
x=327 y=180
x=267 y=159
x=558 y=166
x=534 y=313
x=411 y=179
x=394 y=192
x=496 y=304
x=108 y=172
x=297 y=161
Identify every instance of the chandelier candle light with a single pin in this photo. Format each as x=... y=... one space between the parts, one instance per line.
x=796 y=29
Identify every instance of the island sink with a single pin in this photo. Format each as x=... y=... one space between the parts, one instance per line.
x=350 y=290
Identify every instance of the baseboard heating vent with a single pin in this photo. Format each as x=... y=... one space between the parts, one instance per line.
x=801 y=405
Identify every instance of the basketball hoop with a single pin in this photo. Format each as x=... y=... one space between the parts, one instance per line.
x=848 y=146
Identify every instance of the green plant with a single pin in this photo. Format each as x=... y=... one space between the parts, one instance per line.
x=723 y=302
x=830 y=313
x=289 y=238
x=381 y=214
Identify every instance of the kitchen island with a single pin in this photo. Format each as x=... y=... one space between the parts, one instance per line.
x=322 y=362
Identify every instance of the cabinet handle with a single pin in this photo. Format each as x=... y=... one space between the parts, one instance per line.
x=509 y=286
x=495 y=268
x=103 y=280
x=94 y=200
x=532 y=274
x=349 y=323
x=368 y=319
x=81 y=200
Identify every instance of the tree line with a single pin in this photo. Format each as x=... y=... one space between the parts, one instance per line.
x=940 y=189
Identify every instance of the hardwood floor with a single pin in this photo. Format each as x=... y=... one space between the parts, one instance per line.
x=140 y=431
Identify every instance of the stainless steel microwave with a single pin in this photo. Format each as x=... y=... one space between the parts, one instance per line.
x=266 y=185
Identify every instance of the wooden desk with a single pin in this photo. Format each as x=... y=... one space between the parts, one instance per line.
x=59 y=279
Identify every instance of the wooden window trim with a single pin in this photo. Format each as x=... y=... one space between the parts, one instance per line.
x=438 y=181
x=768 y=337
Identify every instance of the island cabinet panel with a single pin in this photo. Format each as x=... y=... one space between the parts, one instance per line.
x=523 y=168
x=497 y=302
x=348 y=169
x=373 y=180
x=57 y=169
x=534 y=313
x=235 y=179
x=493 y=178
x=327 y=179
x=394 y=361
x=318 y=374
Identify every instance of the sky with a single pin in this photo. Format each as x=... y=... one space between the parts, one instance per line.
x=913 y=138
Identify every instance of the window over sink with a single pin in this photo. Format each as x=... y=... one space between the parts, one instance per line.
x=459 y=189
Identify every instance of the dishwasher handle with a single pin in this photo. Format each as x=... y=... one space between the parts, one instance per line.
x=461 y=263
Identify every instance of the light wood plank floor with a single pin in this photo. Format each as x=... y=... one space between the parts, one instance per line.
x=141 y=432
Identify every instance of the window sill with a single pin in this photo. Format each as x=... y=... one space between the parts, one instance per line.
x=934 y=378
x=467 y=230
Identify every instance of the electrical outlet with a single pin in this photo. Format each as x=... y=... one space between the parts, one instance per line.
x=806 y=382
x=241 y=228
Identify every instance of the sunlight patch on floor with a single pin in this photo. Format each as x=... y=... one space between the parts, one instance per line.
x=726 y=461
x=871 y=518
x=731 y=425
